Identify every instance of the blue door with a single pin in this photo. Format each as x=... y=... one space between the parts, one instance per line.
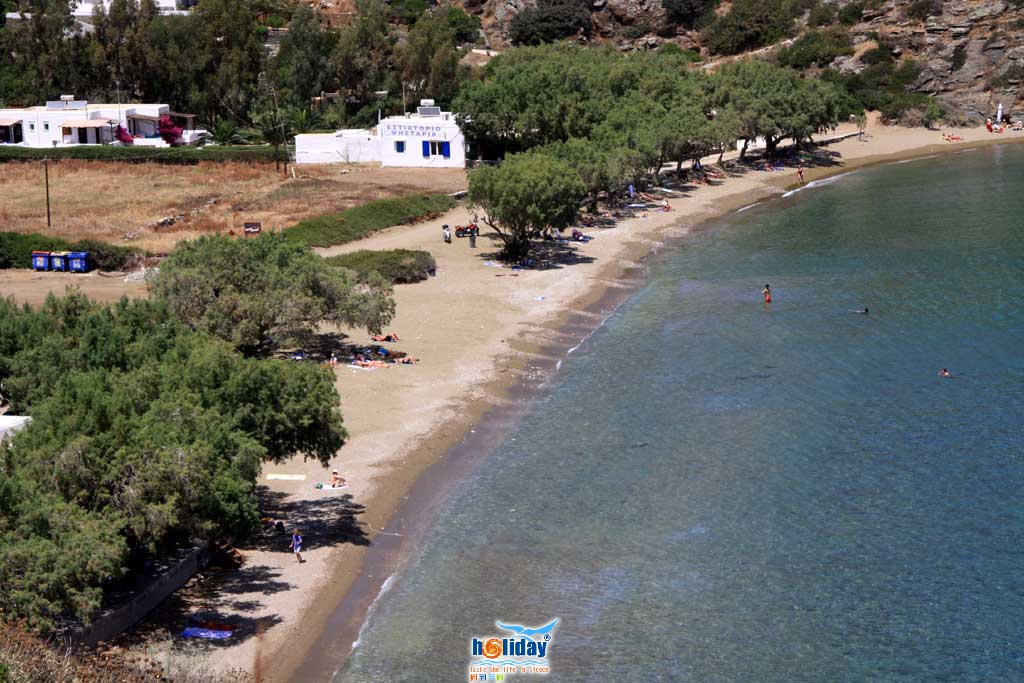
x=446 y=150
x=426 y=149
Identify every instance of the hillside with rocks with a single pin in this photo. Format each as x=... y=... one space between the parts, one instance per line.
x=970 y=52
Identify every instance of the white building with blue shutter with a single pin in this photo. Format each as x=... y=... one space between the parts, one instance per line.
x=430 y=138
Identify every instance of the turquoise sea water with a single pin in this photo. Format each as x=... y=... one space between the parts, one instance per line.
x=715 y=490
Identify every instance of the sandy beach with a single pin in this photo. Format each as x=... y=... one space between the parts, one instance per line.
x=478 y=329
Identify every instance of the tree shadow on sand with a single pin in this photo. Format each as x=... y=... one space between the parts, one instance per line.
x=548 y=254
x=226 y=594
x=206 y=597
x=329 y=519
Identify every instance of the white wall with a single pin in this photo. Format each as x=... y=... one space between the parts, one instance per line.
x=348 y=146
x=414 y=131
x=398 y=141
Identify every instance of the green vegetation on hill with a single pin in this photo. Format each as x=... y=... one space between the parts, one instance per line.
x=361 y=221
x=400 y=266
x=550 y=20
x=753 y=23
x=816 y=48
x=616 y=119
x=145 y=434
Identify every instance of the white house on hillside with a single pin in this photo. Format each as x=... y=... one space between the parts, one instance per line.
x=85 y=8
x=82 y=11
x=429 y=138
x=67 y=121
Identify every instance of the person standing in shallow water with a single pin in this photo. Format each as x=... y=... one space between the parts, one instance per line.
x=767 y=294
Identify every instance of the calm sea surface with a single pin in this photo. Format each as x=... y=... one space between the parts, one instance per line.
x=716 y=490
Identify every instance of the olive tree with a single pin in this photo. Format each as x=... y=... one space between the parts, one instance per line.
x=253 y=292
x=527 y=193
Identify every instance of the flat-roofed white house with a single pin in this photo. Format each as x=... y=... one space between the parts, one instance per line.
x=86 y=7
x=83 y=11
x=66 y=122
x=430 y=138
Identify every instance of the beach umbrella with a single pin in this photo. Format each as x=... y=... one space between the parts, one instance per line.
x=999 y=112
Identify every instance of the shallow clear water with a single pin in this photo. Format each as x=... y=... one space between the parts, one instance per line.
x=713 y=490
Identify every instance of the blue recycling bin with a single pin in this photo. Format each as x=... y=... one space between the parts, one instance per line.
x=40 y=260
x=59 y=260
x=78 y=262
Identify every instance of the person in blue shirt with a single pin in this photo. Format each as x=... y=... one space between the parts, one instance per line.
x=296 y=545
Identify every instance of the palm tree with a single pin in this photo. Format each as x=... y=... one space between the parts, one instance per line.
x=227 y=132
x=303 y=120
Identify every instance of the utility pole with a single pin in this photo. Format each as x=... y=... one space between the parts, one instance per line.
x=46 y=172
x=284 y=134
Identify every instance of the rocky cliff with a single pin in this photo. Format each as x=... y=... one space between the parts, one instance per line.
x=971 y=51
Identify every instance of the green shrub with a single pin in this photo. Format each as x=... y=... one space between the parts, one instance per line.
x=358 y=222
x=638 y=30
x=676 y=51
x=400 y=266
x=750 y=24
x=850 y=14
x=172 y=155
x=822 y=15
x=16 y=250
x=549 y=21
x=407 y=11
x=922 y=9
x=275 y=21
x=816 y=48
x=959 y=57
x=878 y=55
x=688 y=13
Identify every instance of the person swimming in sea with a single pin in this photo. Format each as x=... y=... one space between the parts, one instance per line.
x=767 y=294
x=945 y=373
x=864 y=312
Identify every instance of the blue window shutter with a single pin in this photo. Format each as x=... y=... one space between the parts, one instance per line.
x=400 y=147
x=446 y=149
x=426 y=149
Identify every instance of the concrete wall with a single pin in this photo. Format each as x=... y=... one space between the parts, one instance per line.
x=353 y=147
x=116 y=620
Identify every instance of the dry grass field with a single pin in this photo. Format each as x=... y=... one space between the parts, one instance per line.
x=113 y=201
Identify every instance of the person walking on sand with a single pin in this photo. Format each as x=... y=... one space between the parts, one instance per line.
x=800 y=172
x=296 y=545
x=767 y=294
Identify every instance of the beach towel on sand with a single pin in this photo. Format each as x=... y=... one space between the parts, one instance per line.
x=210 y=634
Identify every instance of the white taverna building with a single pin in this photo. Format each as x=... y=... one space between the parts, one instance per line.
x=429 y=138
x=66 y=122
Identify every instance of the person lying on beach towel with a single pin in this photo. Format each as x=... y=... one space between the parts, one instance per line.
x=389 y=337
x=406 y=360
x=361 y=361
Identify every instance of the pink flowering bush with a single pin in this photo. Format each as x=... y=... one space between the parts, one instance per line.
x=123 y=136
x=168 y=130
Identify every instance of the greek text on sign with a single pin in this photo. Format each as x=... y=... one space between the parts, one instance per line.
x=414 y=130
